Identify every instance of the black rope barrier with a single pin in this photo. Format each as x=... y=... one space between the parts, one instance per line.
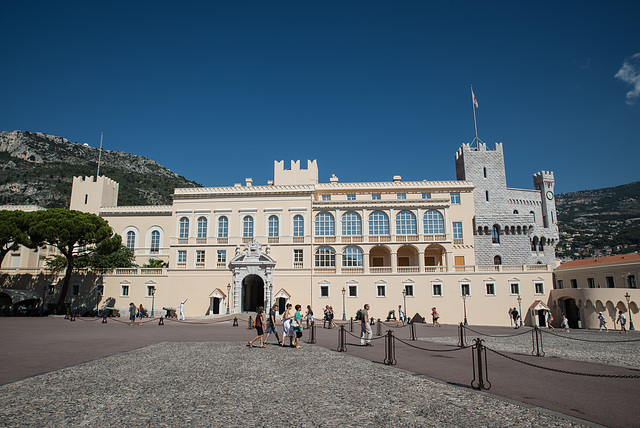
x=430 y=350
x=589 y=340
x=497 y=336
x=564 y=371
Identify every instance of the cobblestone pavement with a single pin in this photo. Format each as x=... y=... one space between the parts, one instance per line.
x=230 y=384
x=603 y=348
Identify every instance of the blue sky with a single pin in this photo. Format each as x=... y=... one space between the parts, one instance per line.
x=216 y=91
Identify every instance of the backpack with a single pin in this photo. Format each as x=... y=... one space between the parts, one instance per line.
x=359 y=316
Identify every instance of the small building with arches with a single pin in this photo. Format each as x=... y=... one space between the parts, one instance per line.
x=583 y=288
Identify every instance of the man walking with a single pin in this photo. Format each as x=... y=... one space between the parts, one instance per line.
x=365 y=327
x=271 y=324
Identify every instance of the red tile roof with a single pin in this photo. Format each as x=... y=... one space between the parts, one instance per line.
x=621 y=258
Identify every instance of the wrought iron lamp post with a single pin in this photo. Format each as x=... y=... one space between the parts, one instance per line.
x=228 y=296
x=344 y=313
x=520 y=308
x=464 y=304
x=404 y=297
x=628 y=298
x=153 y=300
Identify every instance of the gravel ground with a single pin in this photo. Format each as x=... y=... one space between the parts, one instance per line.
x=604 y=348
x=229 y=384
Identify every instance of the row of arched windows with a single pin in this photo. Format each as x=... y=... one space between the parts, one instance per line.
x=326 y=257
x=406 y=223
x=324 y=225
x=154 y=241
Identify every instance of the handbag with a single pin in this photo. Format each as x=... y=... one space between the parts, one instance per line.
x=294 y=323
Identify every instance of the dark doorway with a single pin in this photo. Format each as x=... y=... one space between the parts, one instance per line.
x=282 y=302
x=216 y=305
x=252 y=293
x=542 y=319
x=572 y=312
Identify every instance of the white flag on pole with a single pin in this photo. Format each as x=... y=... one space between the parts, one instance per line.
x=475 y=100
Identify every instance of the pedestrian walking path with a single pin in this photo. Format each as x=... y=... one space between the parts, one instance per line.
x=200 y=371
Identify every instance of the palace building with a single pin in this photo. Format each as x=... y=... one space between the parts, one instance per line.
x=470 y=247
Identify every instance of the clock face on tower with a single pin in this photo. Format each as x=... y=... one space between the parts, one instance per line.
x=550 y=195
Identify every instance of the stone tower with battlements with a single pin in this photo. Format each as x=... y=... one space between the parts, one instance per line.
x=89 y=194
x=511 y=226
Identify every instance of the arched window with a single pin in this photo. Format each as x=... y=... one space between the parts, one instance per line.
x=433 y=223
x=541 y=244
x=378 y=223
x=497 y=260
x=352 y=257
x=184 y=228
x=406 y=223
x=155 y=242
x=247 y=227
x=325 y=225
x=131 y=240
x=495 y=234
x=298 y=225
x=351 y=224
x=202 y=227
x=325 y=257
x=274 y=225
x=223 y=227
x=515 y=211
x=534 y=243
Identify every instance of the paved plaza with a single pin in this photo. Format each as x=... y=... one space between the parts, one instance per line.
x=201 y=373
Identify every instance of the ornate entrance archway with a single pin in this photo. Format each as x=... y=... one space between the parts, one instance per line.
x=252 y=277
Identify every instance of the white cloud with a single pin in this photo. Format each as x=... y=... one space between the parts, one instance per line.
x=630 y=73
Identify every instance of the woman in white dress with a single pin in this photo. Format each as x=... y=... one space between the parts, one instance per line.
x=286 y=325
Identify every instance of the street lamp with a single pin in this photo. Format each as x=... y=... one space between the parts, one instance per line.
x=626 y=296
x=344 y=314
x=228 y=296
x=153 y=299
x=271 y=302
x=404 y=296
x=464 y=303
x=520 y=308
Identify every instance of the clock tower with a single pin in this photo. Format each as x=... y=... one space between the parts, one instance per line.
x=544 y=182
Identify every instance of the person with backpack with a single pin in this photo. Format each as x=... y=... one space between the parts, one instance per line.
x=365 y=327
x=400 y=315
x=603 y=322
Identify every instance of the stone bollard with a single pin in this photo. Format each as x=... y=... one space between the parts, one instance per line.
x=250 y=326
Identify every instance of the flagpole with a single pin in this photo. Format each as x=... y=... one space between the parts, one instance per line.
x=475 y=125
x=100 y=156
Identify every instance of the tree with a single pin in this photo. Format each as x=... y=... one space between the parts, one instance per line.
x=12 y=231
x=154 y=263
x=74 y=234
x=99 y=261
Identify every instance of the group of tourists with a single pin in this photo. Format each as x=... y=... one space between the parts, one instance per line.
x=134 y=312
x=291 y=325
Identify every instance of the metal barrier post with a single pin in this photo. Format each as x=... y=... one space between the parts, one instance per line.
x=161 y=322
x=235 y=321
x=536 y=339
x=351 y=325
x=389 y=349
x=312 y=334
x=104 y=319
x=342 y=339
x=412 y=331
x=478 y=350
x=250 y=326
x=379 y=329
x=462 y=340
